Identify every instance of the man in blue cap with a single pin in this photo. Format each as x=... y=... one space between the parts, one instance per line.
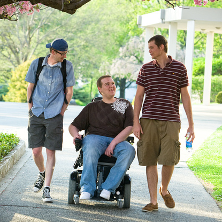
x=48 y=95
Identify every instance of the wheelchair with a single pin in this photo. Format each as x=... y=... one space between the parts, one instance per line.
x=122 y=193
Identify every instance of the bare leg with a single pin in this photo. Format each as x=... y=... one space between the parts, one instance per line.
x=152 y=180
x=50 y=165
x=167 y=172
x=38 y=158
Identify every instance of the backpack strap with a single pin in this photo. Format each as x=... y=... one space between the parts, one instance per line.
x=64 y=74
x=39 y=69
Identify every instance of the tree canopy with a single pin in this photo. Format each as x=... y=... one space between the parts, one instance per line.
x=10 y=8
x=103 y=37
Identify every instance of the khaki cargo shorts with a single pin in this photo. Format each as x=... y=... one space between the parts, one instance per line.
x=159 y=143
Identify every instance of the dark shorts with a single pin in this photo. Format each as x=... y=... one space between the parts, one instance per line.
x=159 y=143
x=45 y=132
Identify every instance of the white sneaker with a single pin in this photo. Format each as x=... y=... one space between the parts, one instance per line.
x=46 y=195
x=85 y=196
x=105 y=194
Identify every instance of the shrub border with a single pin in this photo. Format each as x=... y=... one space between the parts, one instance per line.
x=9 y=160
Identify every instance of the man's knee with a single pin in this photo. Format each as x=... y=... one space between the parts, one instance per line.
x=90 y=154
x=127 y=149
x=50 y=153
x=37 y=151
x=93 y=145
x=132 y=151
x=125 y=153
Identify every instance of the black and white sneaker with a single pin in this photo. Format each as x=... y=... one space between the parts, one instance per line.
x=46 y=195
x=39 y=182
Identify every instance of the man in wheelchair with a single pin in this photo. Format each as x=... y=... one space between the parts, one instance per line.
x=107 y=123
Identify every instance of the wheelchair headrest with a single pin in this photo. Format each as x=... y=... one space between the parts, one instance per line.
x=97 y=99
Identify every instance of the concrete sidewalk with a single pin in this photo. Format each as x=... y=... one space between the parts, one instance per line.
x=19 y=203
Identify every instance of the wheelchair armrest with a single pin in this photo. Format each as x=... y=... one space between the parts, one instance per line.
x=130 y=139
x=78 y=144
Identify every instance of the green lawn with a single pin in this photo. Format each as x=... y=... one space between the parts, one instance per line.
x=206 y=163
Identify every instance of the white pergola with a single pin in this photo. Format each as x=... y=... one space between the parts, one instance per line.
x=207 y=20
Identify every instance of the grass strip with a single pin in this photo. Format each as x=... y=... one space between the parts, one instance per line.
x=206 y=163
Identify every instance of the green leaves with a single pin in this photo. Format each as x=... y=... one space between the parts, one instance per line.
x=7 y=143
x=17 y=86
x=198 y=84
x=219 y=97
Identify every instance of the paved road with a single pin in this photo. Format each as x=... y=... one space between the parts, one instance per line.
x=19 y=203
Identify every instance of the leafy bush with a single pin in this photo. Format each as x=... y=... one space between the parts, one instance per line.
x=79 y=103
x=5 y=70
x=198 y=85
x=216 y=87
x=217 y=66
x=17 y=86
x=82 y=95
x=199 y=66
x=219 y=97
x=7 y=143
x=3 y=91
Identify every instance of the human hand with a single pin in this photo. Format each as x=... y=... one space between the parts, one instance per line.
x=190 y=134
x=109 y=150
x=30 y=105
x=76 y=136
x=137 y=130
x=62 y=113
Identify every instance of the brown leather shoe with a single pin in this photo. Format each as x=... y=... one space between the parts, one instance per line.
x=150 y=207
x=168 y=199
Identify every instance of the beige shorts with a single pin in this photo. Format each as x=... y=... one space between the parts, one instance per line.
x=159 y=143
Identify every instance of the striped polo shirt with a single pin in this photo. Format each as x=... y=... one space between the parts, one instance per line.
x=162 y=89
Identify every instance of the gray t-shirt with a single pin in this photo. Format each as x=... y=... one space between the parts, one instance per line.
x=105 y=119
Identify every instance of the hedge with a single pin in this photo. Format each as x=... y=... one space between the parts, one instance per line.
x=7 y=143
x=219 y=98
x=198 y=85
x=199 y=66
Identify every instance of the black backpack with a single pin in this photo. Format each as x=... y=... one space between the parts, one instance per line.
x=39 y=69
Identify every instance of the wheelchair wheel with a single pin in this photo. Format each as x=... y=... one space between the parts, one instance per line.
x=71 y=192
x=127 y=194
x=120 y=203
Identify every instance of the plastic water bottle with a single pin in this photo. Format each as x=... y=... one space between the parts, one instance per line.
x=188 y=143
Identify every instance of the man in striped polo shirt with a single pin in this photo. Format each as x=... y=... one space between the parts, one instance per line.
x=162 y=81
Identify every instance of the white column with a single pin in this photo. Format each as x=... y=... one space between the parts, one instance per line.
x=149 y=33
x=208 y=68
x=189 y=51
x=172 y=41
